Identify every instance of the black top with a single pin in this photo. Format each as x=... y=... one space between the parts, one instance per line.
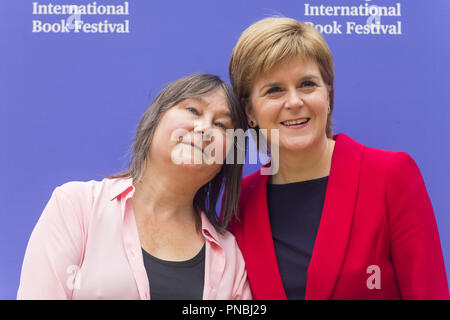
x=294 y=212
x=175 y=280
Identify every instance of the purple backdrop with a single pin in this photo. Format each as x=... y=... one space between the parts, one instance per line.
x=70 y=102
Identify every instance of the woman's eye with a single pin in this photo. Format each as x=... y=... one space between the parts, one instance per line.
x=273 y=90
x=221 y=125
x=192 y=110
x=308 y=84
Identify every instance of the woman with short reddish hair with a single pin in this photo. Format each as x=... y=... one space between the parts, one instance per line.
x=338 y=220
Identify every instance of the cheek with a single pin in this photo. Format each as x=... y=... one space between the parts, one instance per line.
x=167 y=131
x=266 y=112
x=172 y=126
x=319 y=105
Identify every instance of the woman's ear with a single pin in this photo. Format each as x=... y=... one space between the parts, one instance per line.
x=248 y=111
x=328 y=93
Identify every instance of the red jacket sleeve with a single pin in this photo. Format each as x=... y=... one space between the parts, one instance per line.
x=415 y=245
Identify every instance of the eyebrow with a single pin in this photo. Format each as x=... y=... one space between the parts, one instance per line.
x=225 y=113
x=197 y=98
x=201 y=100
x=275 y=84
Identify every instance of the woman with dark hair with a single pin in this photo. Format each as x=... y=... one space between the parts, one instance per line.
x=151 y=231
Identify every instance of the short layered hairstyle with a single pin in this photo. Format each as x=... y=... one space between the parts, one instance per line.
x=272 y=40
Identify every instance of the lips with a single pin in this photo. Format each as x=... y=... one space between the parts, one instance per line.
x=193 y=145
x=295 y=122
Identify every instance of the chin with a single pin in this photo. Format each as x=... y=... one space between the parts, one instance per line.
x=188 y=164
x=298 y=144
x=196 y=167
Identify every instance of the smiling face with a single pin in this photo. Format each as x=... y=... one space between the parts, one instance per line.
x=191 y=132
x=293 y=98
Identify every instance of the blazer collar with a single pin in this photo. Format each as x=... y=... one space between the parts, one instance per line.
x=332 y=237
x=335 y=224
x=123 y=187
x=261 y=261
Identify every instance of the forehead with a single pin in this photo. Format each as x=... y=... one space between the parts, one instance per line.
x=214 y=100
x=289 y=68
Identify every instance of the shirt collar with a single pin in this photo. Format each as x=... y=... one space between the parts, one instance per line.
x=124 y=186
x=208 y=230
x=121 y=186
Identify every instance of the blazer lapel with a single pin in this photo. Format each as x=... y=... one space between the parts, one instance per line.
x=335 y=225
x=261 y=261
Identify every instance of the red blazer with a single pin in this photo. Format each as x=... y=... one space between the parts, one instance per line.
x=376 y=213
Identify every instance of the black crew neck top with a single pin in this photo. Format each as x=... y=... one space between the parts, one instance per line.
x=295 y=210
x=175 y=280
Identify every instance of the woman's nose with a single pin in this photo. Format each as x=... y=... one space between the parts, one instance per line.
x=202 y=130
x=293 y=99
x=202 y=125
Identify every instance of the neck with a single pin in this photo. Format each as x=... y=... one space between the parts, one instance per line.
x=166 y=194
x=313 y=163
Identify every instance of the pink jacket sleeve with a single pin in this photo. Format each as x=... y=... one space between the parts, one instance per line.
x=54 y=251
x=415 y=245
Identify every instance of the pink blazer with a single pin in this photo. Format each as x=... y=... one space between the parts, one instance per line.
x=86 y=246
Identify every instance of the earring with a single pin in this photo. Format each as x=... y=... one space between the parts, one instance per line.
x=329 y=109
x=180 y=138
x=251 y=123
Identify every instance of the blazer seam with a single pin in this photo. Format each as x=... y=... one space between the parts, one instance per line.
x=387 y=213
x=363 y=152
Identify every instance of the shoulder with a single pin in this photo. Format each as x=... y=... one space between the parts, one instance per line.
x=83 y=203
x=86 y=190
x=251 y=191
x=381 y=159
x=251 y=180
x=394 y=171
x=77 y=188
x=392 y=163
x=251 y=188
x=85 y=195
x=249 y=183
